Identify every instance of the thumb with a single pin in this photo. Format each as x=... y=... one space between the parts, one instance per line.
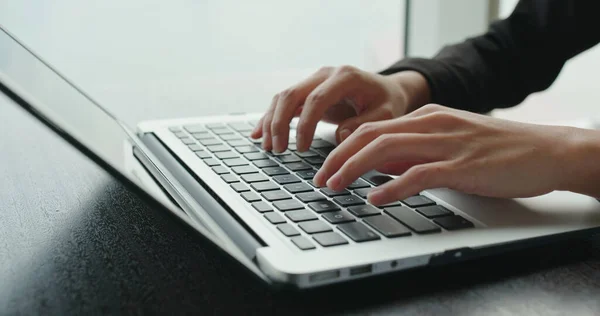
x=348 y=126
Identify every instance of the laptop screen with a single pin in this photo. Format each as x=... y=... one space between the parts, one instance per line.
x=36 y=86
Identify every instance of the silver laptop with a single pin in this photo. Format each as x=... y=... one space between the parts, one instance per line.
x=262 y=209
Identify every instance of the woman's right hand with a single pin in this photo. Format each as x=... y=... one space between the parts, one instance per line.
x=345 y=96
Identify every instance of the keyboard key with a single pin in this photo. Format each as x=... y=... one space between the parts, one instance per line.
x=180 y=134
x=348 y=200
x=254 y=177
x=240 y=187
x=330 y=239
x=313 y=227
x=223 y=130
x=203 y=154
x=250 y=197
x=413 y=220
x=217 y=148
x=288 y=159
x=226 y=155
x=274 y=218
x=235 y=162
x=362 y=192
x=434 y=211
x=292 y=147
x=313 y=184
x=275 y=171
x=194 y=128
x=264 y=186
x=262 y=207
x=288 y=230
x=303 y=243
x=391 y=204
x=285 y=179
x=364 y=210
x=256 y=156
x=201 y=136
x=387 y=226
x=320 y=144
x=229 y=178
x=454 y=222
x=238 y=142
x=220 y=170
x=301 y=215
x=315 y=161
x=188 y=141
x=418 y=200
x=284 y=153
x=244 y=169
x=297 y=166
x=376 y=178
x=325 y=151
x=298 y=187
x=329 y=192
x=227 y=137
x=338 y=217
x=246 y=149
x=246 y=133
x=306 y=174
x=358 y=232
x=307 y=154
x=288 y=205
x=240 y=126
x=276 y=195
x=195 y=147
x=210 y=142
x=211 y=162
x=323 y=206
x=358 y=183
x=265 y=163
x=310 y=197
x=214 y=125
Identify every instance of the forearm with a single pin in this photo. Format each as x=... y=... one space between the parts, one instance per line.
x=582 y=163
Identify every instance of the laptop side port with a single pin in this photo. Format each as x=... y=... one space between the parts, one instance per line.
x=324 y=276
x=361 y=270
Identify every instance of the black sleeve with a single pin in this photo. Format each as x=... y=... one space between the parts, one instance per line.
x=517 y=56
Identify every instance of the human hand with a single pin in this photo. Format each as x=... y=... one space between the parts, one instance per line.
x=439 y=147
x=345 y=96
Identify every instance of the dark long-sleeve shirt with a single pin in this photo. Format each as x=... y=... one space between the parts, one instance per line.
x=514 y=58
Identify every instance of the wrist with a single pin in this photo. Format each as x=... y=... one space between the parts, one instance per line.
x=415 y=88
x=582 y=158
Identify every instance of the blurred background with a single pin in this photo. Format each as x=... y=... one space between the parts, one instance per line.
x=189 y=58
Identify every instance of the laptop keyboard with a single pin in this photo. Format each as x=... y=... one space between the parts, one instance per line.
x=280 y=188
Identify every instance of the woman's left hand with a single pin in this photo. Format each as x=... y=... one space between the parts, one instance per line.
x=439 y=147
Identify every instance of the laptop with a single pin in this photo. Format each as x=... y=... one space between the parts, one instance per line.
x=262 y=209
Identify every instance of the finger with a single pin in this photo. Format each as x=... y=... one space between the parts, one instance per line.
x=257 y=131
x=417 y=179
x=287 y=105
x=329 y=93
x=266 y=123
x=347 y=127
x=365 y=134
x=398 y=167
x=389 y=148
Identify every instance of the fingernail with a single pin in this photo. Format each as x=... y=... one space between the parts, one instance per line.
x=345 y=133
x=277 y=144
x=300 y=141
x=317 y=179
x=375 y=196
x=334 y=182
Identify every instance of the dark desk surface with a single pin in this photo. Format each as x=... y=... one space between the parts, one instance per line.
x=75 y=241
